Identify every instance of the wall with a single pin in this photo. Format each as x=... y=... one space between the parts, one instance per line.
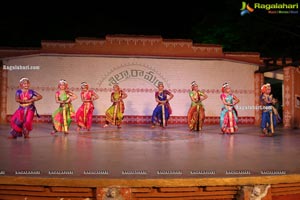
x=297 y=94
x=133 y=75
x=291 y=112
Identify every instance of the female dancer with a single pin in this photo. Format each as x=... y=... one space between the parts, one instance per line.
x=229 y=115
x=114 y=114
x=84 y=113
x=62 y=117
x=163 y=109
x=21 y=121
x=268 y=119
x=196 y=114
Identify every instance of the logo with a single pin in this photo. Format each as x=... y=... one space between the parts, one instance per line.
x=270 y=8
x=246 y=9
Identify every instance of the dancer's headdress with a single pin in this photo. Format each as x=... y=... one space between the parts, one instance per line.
x=62 y=81
x=264 y=87
x=23 y=79
x=83 y=84
x=193 y=83
x=225 y=85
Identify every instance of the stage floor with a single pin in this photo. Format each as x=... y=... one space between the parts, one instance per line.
x=140 y=152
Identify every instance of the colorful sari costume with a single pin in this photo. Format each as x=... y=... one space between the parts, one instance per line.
x=162 y=112
x=229 y=115
x=196 y=114
x=114 y=114
x=84 y=113
x=62 y=117
x=268 y=119
x=21 y=121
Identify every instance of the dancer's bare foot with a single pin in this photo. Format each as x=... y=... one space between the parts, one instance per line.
x=265 y=131
x=105 y=125
x=78 y=129
x=270 y=134
x=25 y=133
x=26 y=136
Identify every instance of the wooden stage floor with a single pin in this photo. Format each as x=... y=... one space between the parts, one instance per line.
x=150 y=164
x=139 y=152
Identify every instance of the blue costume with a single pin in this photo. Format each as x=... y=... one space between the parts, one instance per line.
x=268 y=118
x=157 y=113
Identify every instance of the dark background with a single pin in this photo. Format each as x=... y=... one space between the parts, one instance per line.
x=213 y=22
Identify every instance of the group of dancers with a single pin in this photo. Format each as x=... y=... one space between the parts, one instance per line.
x=21 y=121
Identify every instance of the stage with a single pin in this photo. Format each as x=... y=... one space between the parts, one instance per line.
x=139 y=162
x=139 y=151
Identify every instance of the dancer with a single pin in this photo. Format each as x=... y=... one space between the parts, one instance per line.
x=229 y=115
x=163 y=109
x=196 y=113
x=114 y=114
x=268 y=119
x=62 y=117
x=84 y=113
x=21 y=121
